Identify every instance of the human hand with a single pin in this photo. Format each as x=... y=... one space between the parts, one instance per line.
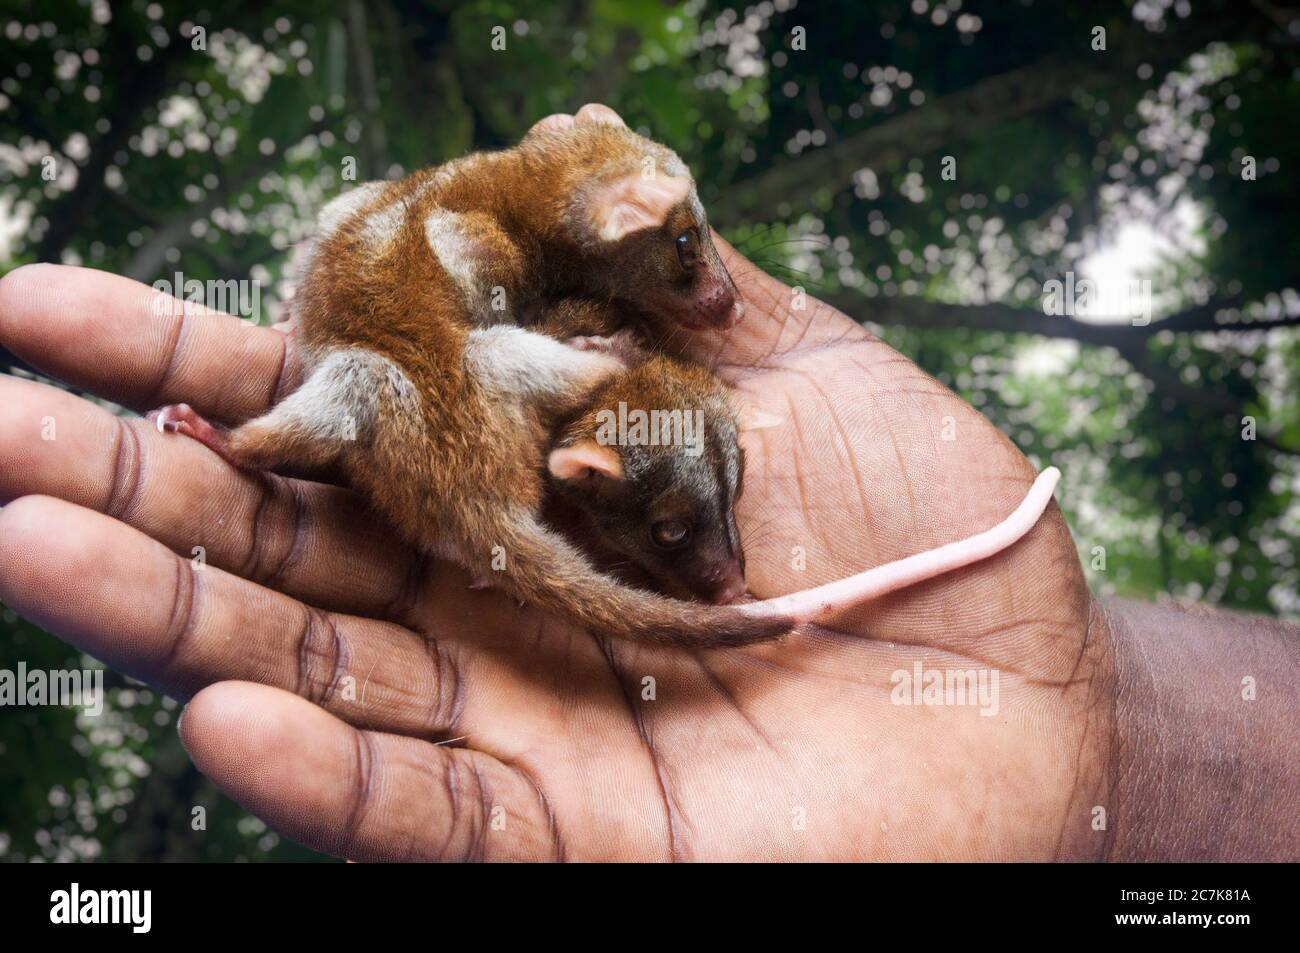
x=323 y=660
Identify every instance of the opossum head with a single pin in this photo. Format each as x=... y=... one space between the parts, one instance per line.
x=655 y=468
x=636 y=214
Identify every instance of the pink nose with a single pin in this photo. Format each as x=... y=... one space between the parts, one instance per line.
x=719 y=307
x=725 y=583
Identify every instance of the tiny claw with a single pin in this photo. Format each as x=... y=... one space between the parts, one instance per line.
x=183 y=419
x=172 y=418
x=589 y=342
x=623 y=345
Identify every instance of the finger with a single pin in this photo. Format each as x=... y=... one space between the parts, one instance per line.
x=360 y=794
x=316 y=542
x=552 y=123
x=597 y=114
x=134 y=345
x=779 y=324
x=122 y=597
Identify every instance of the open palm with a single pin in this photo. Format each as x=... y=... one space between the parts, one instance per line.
x=364 y=700
x=324 y=659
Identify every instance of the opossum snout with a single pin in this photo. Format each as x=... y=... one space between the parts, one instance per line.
x=724 y=583
x=718 y=307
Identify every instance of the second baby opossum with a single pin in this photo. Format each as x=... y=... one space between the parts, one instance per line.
x=653 y=468
x=441 y=417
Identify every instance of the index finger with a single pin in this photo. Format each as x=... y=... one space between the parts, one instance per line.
x=136 y=346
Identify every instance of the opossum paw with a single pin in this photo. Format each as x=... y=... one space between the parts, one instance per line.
x=184 y=419
x=625 y=345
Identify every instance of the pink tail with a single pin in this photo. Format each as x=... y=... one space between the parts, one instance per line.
x=813 y=605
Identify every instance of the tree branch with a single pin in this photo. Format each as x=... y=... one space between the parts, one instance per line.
x=994 y=316
x=946 y=120
x=1128 y=340
x=1167 y=382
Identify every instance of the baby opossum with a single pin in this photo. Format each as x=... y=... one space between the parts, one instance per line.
x=653 y=468
x=440 y=415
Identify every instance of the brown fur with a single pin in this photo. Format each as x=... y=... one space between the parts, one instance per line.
x=685 y=470
x=455 y=464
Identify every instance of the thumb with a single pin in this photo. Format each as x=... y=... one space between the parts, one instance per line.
x=779 y=319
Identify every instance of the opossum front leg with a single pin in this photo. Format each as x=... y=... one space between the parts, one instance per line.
x=515 y=365
x=568 y=317
x=590 y=325
x=625 y=344
x=335 y=407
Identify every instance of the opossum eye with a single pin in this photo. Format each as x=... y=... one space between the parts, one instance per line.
x=669 y=534
x=687 y=249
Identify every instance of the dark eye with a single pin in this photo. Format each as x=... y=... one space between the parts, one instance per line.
x=686 y=249
x=669 y=534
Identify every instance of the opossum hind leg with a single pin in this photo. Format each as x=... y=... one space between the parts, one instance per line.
x=335 y=408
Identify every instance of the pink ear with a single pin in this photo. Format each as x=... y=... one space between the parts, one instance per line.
x=635 y=201
x=583 y=459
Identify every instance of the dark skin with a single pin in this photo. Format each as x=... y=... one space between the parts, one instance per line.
x=321 y=661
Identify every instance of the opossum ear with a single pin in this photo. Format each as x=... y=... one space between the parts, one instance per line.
x=634 y=201
x=749 y=417
x=584 y=459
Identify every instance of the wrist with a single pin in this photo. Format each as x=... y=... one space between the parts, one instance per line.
x=1201 y=756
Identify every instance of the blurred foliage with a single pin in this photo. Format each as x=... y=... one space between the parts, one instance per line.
x=818 y=132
